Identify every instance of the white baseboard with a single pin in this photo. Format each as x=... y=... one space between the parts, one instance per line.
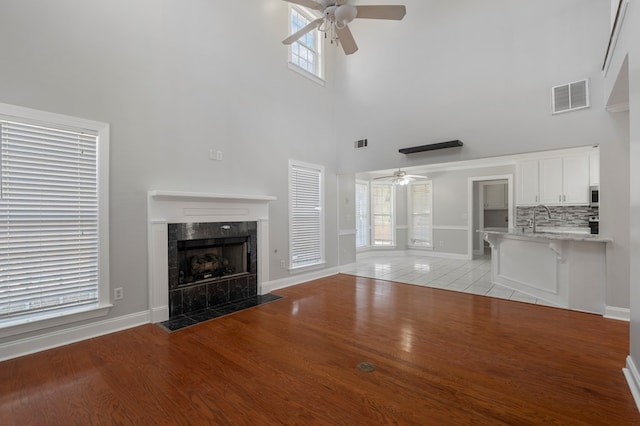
x=413 y=252
x=159 y=314
x=633 y=380
x=440 y=254
x=379 y=252
x=622 y=314
x=270 y=286
x=346 y=267
x=67 y=336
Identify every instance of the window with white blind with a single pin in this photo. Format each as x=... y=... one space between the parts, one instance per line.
x=52 y=222
x=382 y=214
x=306 y=215
x=420 y=214
x=362 y=214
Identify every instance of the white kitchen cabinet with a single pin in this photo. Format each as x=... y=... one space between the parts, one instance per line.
x=594 y=167
x=495 y=196
x=575 y=180
x=527 y=183
x=560 y=181
x=551 y=181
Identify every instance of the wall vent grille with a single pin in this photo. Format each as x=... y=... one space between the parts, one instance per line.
x=570 y=97
x=362 y=143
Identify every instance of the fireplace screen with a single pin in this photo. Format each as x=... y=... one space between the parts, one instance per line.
x=211 y=264
x=212 y=258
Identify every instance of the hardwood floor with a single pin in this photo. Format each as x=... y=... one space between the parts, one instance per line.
x=441 y=358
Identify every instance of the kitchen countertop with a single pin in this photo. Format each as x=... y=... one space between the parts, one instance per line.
x=550 y=234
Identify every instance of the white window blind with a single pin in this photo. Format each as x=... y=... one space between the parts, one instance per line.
x=362 y=214
x=420 y=220
x=382 y=214
x=48 y=219
x=306 y=215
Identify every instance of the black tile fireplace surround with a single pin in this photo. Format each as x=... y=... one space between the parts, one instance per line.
x=223 y=286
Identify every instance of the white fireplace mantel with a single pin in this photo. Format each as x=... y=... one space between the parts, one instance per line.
x=164 y=207
x=204 y=196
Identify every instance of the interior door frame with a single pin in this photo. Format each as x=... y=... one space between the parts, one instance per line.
x=473 y=208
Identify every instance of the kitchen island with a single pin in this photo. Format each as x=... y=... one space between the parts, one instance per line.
x=563 y=268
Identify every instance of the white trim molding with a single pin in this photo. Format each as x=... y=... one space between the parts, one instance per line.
x=414 y=251
x=450 y=228
x=26 y=346
x=633 y=379
x=270 y=286
x=621 y=314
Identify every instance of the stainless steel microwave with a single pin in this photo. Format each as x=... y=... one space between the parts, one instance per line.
x=594 y=196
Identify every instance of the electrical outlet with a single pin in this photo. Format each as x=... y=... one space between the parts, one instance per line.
x=215 y=155
x=283 y=265
x=118 y=293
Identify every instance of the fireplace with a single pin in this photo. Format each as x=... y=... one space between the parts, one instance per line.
x=194 y=215
x=211 y=264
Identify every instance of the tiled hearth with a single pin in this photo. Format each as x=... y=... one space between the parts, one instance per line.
x=185 y=320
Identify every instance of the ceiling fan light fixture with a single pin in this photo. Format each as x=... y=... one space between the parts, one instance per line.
x=344 y=14
x=404 y=180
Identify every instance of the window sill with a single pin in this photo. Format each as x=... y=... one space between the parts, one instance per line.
x=40 y=322
x=305 y=73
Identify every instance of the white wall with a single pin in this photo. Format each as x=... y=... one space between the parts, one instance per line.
x=627 y=51
x=174 y=79
x=480 y=72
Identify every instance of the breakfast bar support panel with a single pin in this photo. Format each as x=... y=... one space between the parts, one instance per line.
x=567 y=273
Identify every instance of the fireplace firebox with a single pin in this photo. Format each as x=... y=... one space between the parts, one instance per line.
x=211 y=264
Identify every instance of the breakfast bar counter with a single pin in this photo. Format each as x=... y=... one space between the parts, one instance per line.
x=566 y=269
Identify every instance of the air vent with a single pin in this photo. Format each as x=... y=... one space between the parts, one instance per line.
x=362 y=143
x=570 y=97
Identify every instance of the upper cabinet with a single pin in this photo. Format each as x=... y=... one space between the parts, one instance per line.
x=555 y=181
x=594 y=167
x=495 y=196
x=565 y=180
x=527 y=183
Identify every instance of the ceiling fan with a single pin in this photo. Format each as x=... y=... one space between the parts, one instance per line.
x=336 y=15
x=400 y=177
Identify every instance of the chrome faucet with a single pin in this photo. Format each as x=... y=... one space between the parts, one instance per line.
x=534 y=214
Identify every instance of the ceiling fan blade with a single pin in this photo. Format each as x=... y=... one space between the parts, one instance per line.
x=383 y=177
x=381 y=12
x=307 y=3
x=310 y=26
x=346 y=40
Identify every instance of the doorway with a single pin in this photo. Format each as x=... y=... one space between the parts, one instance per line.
x=490 y=204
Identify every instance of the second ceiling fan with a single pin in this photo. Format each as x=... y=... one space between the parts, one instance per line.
x=336 y=17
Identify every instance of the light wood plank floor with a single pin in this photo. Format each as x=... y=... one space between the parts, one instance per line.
x=441 y=357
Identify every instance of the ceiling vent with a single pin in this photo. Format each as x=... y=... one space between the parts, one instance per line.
x=570 y=97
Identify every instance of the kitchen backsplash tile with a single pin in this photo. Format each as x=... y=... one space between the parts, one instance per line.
x=560 y=216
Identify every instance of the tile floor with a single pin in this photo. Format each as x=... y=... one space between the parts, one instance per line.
x=467 y=276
